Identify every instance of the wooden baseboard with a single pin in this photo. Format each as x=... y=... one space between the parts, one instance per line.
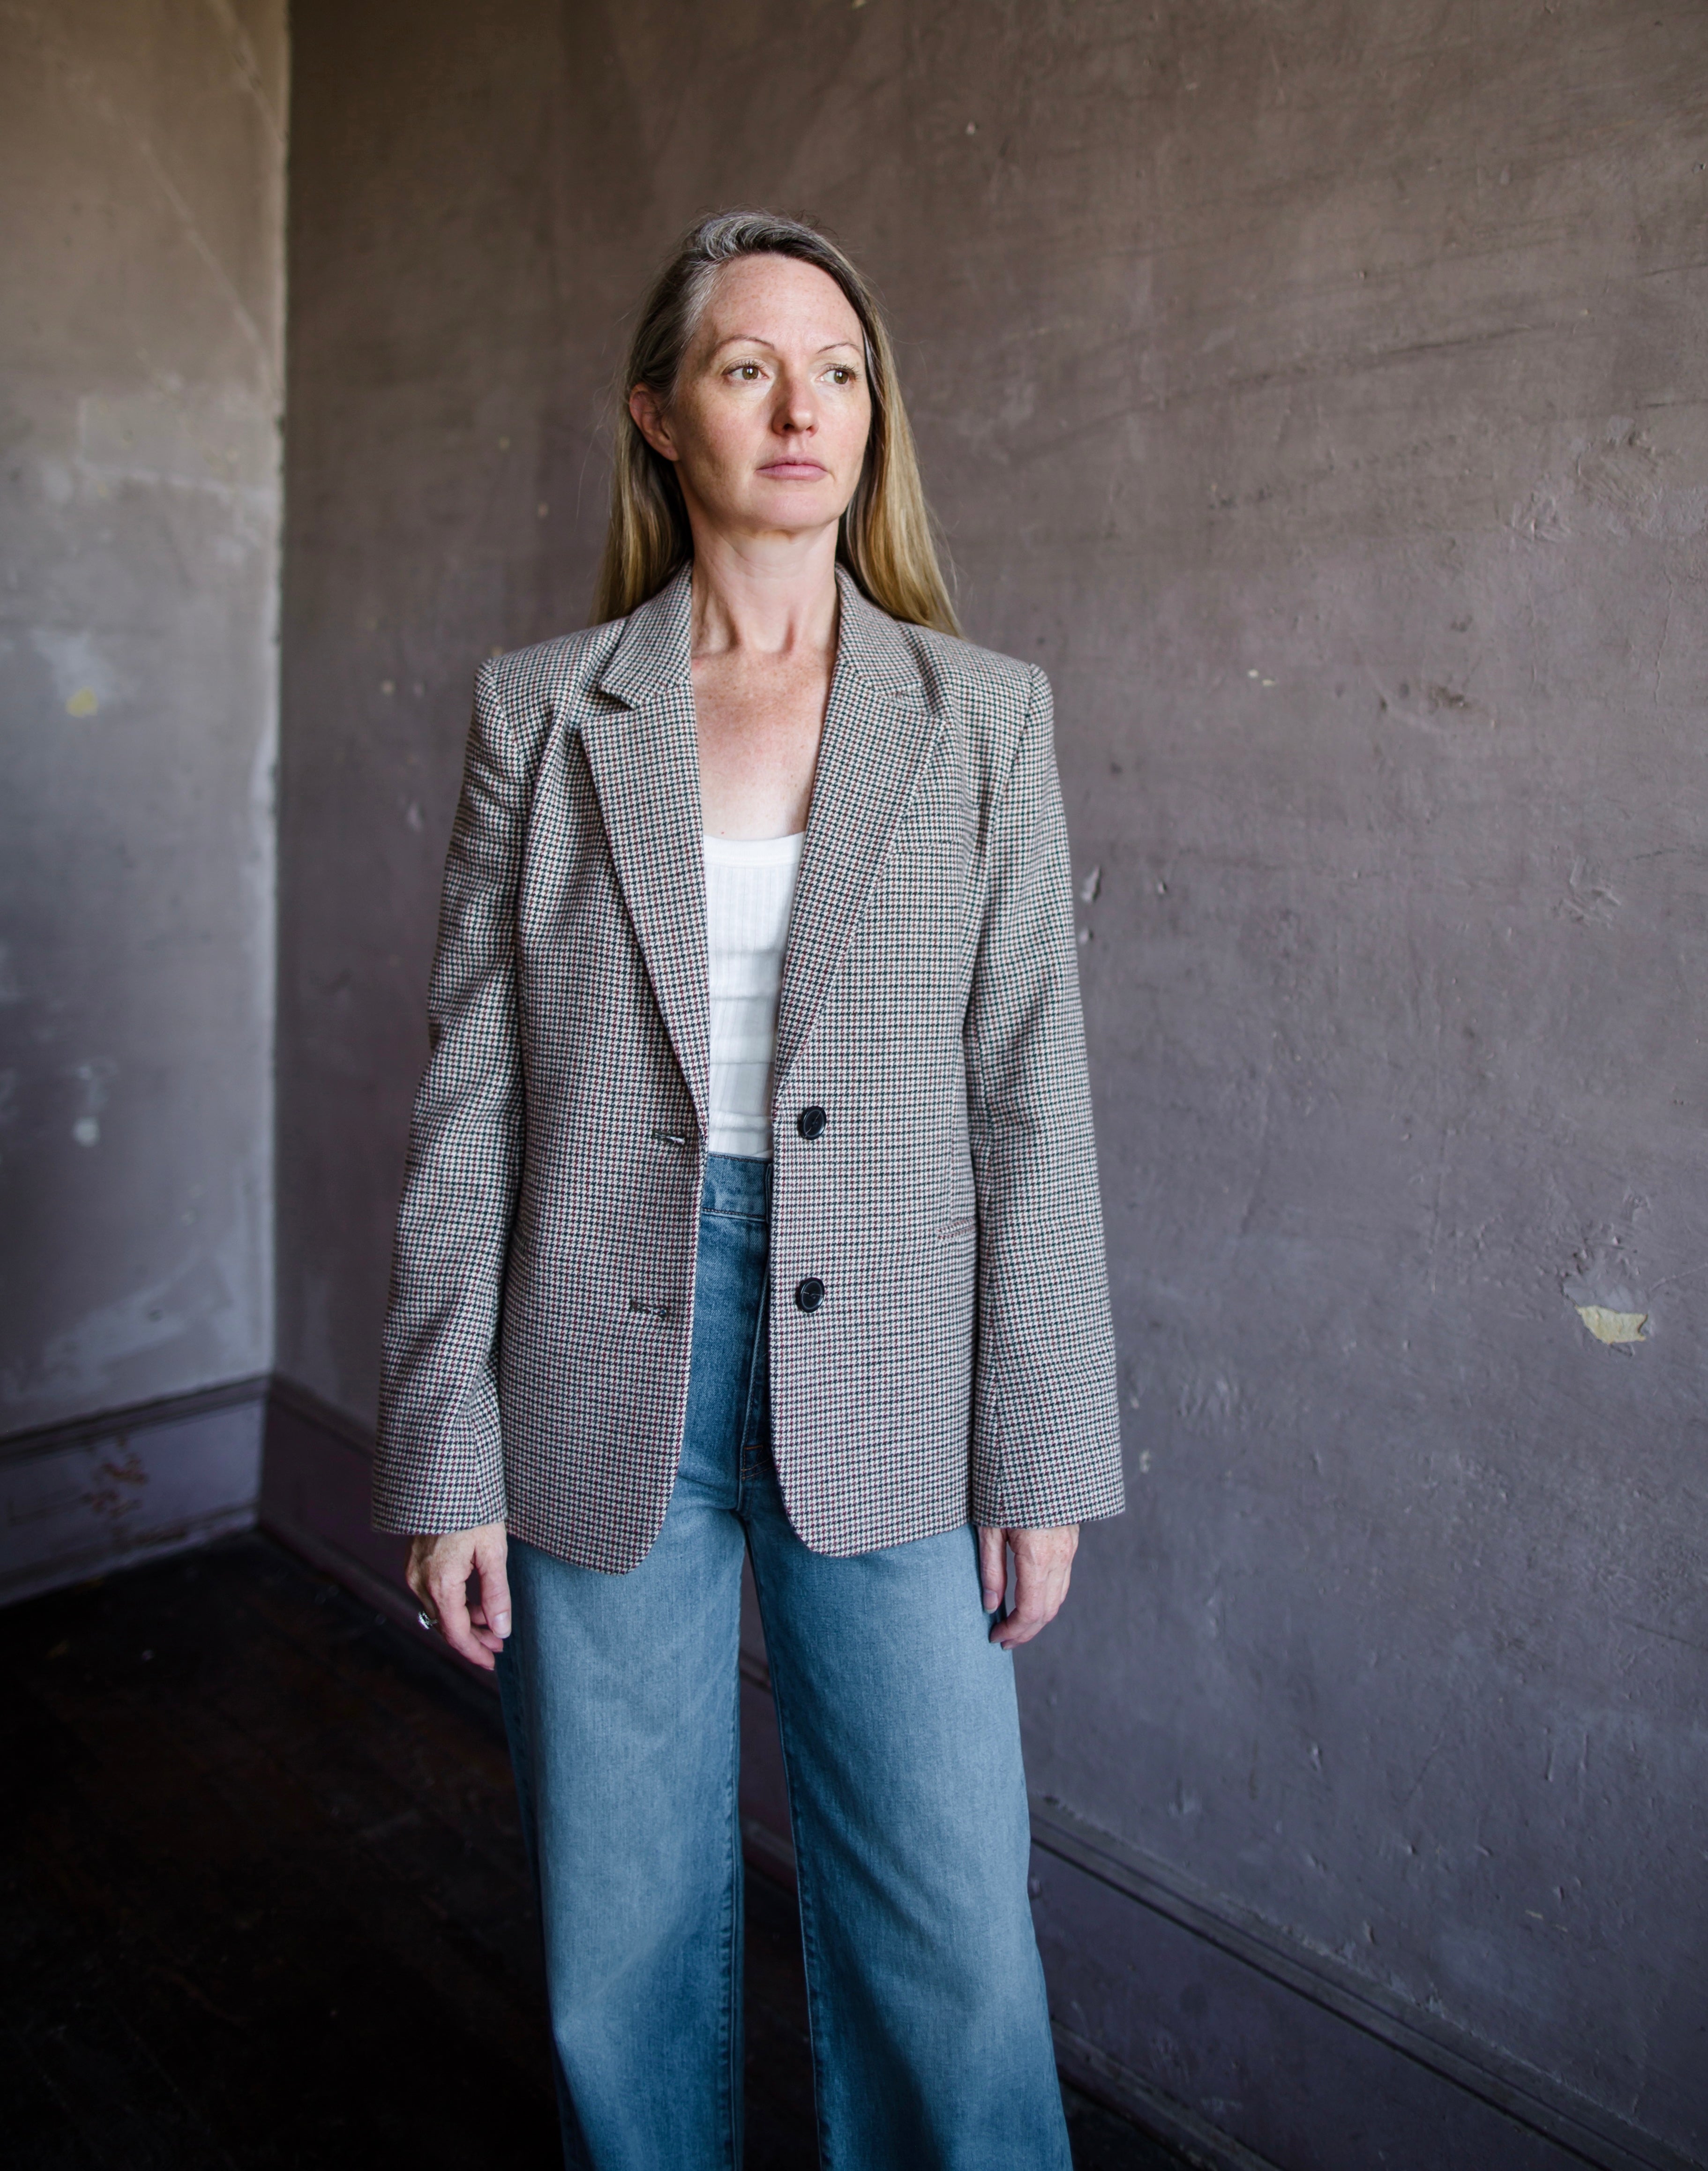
x=123 y=1486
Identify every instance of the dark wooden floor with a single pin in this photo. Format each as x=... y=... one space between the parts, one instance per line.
x=263 y=1900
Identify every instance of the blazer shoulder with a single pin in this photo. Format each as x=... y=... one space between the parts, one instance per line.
x=558 y=672
x=958 y=669
x=984 y=698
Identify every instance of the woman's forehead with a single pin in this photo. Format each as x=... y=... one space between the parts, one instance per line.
x=779 y=297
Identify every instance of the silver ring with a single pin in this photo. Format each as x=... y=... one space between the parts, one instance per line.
x=427 y=1620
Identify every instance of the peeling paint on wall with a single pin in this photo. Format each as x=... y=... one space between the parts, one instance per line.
x=1602 y=1290
x=1614 y=1328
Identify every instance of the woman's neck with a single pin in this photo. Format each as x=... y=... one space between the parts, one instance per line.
x=769 y=597
x=764 y=648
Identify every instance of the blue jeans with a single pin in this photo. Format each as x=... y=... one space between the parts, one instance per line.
x=930 y=2034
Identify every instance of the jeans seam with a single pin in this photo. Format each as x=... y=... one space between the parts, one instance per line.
x=733 y=1939
x=818 y=2030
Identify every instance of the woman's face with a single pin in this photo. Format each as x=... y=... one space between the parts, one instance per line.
x=769 y=423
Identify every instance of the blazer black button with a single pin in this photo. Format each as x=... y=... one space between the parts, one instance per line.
x=809 y=1294
x=811 y=1122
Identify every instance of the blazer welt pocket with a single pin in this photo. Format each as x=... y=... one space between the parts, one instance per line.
x=958 y=1225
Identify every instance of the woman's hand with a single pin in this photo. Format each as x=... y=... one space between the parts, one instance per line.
x=1043 y=1567
x=438 y=1572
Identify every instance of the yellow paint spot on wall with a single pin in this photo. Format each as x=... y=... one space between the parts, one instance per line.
x=83 y=703
x=1614 y=1326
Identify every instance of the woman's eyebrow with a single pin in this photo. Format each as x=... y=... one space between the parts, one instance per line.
x=757 y=339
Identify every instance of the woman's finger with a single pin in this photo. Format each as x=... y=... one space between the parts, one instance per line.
x=416 y=1567
x=448 y=1588
x=1043 y=1570
x=1023 y=1621
x=490 y=1550
x=438 y=1570
x=993 y=1567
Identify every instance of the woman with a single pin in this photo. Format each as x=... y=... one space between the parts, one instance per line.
x=751 y=1211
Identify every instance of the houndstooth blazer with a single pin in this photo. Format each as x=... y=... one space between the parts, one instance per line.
x=960 y=1362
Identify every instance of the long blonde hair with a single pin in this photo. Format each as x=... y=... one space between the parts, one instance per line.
x=886 y=540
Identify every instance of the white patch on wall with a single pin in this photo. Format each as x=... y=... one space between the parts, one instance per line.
x=84 y=682
x=91 y=1080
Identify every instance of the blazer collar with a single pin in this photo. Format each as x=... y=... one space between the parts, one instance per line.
x=873 y=648
x=653 y=655
x=642 y=749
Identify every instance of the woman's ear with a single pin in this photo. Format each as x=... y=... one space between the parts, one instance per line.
x=649 y=418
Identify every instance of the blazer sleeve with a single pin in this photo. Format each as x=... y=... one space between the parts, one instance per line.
x=440 y=1464
x=1046 y=1428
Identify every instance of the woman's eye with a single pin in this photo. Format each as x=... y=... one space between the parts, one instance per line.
x=748 y=371
x=840 y=376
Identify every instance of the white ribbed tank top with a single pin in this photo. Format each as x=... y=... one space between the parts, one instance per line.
x=750 y=886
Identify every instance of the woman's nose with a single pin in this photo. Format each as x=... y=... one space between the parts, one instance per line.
x=794 y=408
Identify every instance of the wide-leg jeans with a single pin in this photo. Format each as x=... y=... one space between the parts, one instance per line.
x=930 y=2034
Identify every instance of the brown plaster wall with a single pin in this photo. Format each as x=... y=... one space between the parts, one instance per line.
x=1317 y=392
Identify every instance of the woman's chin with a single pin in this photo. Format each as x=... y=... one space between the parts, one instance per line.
x=777 y=513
